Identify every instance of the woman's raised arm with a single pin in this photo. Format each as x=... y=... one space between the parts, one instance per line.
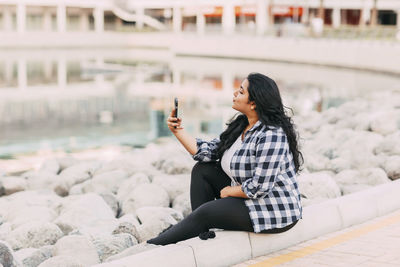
x=174 y=125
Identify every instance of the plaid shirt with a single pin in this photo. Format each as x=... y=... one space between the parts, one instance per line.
x=264 y=168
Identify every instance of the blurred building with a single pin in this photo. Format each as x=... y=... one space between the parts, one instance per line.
x=188 y=15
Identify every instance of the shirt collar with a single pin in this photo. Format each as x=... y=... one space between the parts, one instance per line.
x=255 y=126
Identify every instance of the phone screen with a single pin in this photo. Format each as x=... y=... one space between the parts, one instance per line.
x=176 y=107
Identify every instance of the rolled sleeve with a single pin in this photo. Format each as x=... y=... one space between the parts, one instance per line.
x=206 y=151
x=269 y=154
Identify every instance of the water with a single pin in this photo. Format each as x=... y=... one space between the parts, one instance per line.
x=76 y=99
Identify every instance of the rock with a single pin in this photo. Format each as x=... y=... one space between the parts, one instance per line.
x=7 y=258
x=315 y=162
x=150 y=230
x=62 y=261
x=374 y=176
x=391 y=165
x=112 y=202
x=51 y=166
x=132 y=251
x=390 y=145
x=2 y=189
x=34 y=235
x=348 y=177
x=339 y=164
x=369 y=176
x=173 y=184
x=386 y=122
x=39 y=180
x=32 y=257
x=28 y=206
x=104 y=182
x=21 y=216
x=130 y=163
x=23 y=199
x=76 y=174
x=173 y=159
x=318 y=185
x=145 y=195
x=159 y=215
x=349 y=189
x=182 y=204
x=83 y=210
x=13 y=184
x=79 y=247
x=130 y=218
x=66 y=162
x=5 y=230
x=130 y=184
x=128 y=228
x=111 y=245
x=358 y=149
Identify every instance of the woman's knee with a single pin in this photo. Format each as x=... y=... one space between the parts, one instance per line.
x=200 y=214
x=200 y=168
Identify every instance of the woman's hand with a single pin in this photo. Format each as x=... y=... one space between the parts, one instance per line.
x=174 y=124
x=233 y=191
x=225 y=192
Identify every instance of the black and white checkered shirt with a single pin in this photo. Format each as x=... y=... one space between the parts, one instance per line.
x=264 y=167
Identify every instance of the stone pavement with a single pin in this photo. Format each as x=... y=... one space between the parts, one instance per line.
x=375 y=243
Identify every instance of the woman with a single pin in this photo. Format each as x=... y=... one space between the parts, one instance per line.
x=250 y=170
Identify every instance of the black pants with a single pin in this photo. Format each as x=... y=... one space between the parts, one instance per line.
x=209 y=210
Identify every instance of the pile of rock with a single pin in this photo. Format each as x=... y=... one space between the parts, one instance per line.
x=350 y=148
x=80 y=213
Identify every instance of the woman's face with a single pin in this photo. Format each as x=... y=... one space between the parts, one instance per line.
x=241 y=98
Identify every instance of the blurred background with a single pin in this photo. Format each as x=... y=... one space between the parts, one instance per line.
x=82 y=74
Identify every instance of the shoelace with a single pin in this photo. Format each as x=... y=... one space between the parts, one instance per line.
x=207 y=235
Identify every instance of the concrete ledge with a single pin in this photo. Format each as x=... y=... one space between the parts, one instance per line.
x=168 y=256
x=231 y=247
x=227 y=248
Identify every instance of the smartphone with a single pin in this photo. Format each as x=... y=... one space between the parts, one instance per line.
x=176 y=108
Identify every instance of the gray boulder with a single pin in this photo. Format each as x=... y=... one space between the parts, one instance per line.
x=24 y=215
x=107 y=182
x=75 y=174
x=83 y=210
x=391 y=165
x=112 y=202
x=145 y=195
x=5 y=230
x=130 y=184
x=33 y=257
x=159 y=215
x=50 y=165
x=110 y=245
x=34 y=235
x=79 y=247
x=182 y=204
x=7 y=258
x=128 y=228
x=318 y=185
x=390 y=145
x=174 y=184
x=12 y=184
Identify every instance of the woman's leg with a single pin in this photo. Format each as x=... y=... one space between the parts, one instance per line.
x=228 y=213
x=207 y=180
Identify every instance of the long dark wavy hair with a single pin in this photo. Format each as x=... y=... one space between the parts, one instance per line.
x=271 y=112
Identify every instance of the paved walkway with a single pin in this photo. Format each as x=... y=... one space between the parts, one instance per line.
x=375 y=243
